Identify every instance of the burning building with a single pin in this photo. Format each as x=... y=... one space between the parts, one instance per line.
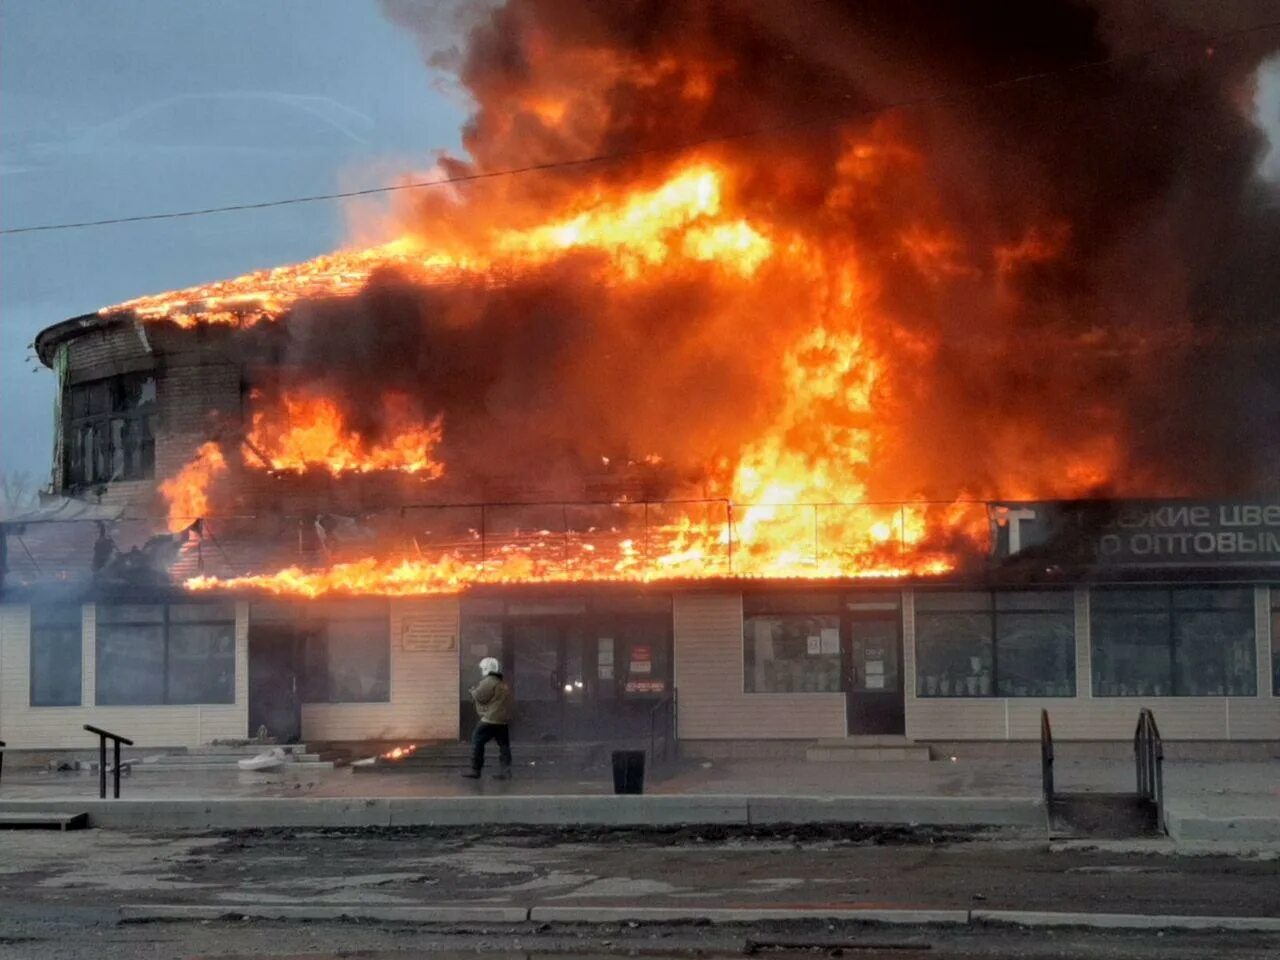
x=916 y=382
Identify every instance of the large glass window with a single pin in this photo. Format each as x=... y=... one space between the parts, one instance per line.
x=348 y=656
x=1035 y=643
x=56 y=658
x=201 y=665
x=1182 y=642
x=790 y=645
x=109 y=429
x=151 y=654
x=1008 y=643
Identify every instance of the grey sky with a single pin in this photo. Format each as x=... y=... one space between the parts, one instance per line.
x=139 y=106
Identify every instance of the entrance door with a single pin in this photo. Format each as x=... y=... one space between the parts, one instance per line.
x=275 y=668
x=873 y=675
x=538 y=676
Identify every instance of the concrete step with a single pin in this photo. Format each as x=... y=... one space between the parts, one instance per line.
x=868 y=740
x=144 y=768
x=852 y=754
x=43 y=820
x=1101 y=816
x=219 y=759
x=241 y=749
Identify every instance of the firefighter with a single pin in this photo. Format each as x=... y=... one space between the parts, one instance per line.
x=495 y=707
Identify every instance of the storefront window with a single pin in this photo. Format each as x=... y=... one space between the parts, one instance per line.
x=56 y=658
x=150 y=654
x=791 y=653
x=347 y=657
x=1035 y=643
x=954 y=648
x=1008 y=644
x=1183 y=642
x=201 y=664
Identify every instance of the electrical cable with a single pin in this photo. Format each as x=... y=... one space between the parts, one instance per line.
x=674 y=148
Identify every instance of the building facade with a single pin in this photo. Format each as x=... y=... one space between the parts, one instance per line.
x=936 y=663
x=1091 y=610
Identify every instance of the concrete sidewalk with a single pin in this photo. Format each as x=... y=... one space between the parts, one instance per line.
x=1017 y=813
x=1228 y=802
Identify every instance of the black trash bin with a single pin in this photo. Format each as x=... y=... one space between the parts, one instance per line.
x=628 y=771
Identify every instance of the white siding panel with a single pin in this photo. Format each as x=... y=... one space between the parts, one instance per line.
x=958 y=718
x=424 y=689
x=27 y=727
x=709 y=681
x=1254 y=719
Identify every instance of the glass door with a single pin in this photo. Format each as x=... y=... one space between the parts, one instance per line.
x=873 y=675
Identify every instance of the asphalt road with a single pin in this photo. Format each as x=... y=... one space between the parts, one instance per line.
x=59 y=893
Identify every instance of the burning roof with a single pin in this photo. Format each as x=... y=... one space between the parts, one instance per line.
x=1010 y=287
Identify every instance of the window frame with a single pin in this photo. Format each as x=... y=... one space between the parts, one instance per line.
x=801 y=605
x=165 y=622
x=1171 y=609
x=993 y=611
x=1273 y=625
x=32 y=630
x=138 y=455
x=315 y=628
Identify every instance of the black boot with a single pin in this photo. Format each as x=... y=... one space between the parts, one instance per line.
x=504 y=773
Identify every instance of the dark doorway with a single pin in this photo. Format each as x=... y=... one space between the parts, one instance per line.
x=275 y=669
x=873 y=674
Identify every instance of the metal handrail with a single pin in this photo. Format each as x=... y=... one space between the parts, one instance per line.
x=2 y=746
x=103 y=737
x=1148 y=757
x=1046 y=757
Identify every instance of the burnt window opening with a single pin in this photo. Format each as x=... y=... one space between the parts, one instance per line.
x=109 y=431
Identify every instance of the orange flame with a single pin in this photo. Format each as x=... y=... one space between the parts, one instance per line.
x=314 y=432
x=799 y=488
x=188 y=492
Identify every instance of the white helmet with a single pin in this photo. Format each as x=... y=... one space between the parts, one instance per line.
x=489 y=665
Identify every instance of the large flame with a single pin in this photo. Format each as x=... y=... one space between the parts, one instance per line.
x=313 y=432
x=187 y=492
x=797 y=491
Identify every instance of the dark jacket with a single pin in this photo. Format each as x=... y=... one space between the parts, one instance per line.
x=493 y=700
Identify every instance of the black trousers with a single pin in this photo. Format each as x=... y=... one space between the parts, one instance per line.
x=485 y=732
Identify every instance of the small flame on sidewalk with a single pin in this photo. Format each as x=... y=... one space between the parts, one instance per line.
x=400 y=753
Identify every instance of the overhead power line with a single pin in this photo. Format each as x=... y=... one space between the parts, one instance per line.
x=673 y=148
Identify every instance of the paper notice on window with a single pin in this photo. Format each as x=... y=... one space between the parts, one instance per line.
x=875 y=681
x=641 y=666
x=606 y=671
x=830 y=639
x=875 y=667
x=815 y=645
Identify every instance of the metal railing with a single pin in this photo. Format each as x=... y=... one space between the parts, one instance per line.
x=700 y=537
x=103 y=737
x=662 y=729
x=1046 y=758
x=2 y=746
x=1148 y=756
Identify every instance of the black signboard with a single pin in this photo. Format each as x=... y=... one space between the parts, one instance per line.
x=1139 y=533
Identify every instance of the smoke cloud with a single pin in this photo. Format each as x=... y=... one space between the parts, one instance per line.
x=1066 y=284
